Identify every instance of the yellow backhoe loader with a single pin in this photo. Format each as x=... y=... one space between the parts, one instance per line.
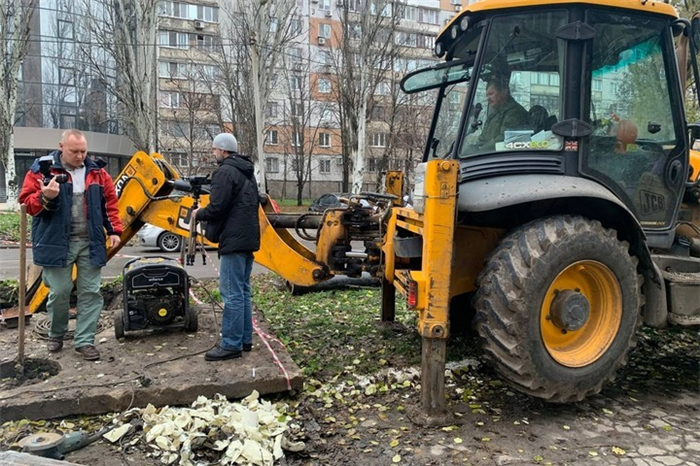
x=558 y=192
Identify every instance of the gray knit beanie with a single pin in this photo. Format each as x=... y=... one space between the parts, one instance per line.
x=225 y=141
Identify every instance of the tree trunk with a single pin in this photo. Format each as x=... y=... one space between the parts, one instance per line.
x=11 y=184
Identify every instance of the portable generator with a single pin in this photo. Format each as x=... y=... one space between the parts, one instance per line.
x=155 y=295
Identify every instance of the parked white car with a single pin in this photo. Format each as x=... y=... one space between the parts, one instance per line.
x=151 y=236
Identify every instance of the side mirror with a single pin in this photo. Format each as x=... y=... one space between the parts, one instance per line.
x=694 y=129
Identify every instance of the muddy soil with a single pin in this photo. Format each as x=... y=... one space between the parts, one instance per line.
x=649 y=416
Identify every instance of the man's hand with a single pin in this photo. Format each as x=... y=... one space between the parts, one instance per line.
x=193 y=214
x=50 y=191
x=114 y=241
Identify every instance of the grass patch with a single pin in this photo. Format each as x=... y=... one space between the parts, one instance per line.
x=9 y=226
x=292 y=202
x=331 y=332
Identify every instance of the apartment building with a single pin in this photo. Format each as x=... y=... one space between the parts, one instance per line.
x=303 y=119
x=189 y=105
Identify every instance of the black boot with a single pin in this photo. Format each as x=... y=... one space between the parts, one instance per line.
x=220 y=354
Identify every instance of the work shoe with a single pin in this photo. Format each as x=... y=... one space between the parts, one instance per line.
x=220 y=354
x=89 y=352
x=55 y=344
x=247 y=347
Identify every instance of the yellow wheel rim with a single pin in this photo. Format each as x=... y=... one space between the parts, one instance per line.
x=583 y=346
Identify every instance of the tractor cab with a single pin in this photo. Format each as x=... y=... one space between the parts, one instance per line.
x=572 y=89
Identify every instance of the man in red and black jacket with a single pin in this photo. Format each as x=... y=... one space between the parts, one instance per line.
x=75 y=211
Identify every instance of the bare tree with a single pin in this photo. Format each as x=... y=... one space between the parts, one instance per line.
x=15 y=18
x=122 y=54
x=367 y=49
x=193 y=115
x=302 y=116
x=405 y=120
x=254 y=31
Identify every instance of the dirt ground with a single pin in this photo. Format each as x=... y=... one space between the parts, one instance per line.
x=649 y=416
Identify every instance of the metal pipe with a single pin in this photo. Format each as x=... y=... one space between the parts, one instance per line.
x=294 y=220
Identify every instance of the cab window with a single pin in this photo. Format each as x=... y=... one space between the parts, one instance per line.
x=518 y=95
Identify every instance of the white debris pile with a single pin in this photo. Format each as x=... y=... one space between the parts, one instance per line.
x=246 y=433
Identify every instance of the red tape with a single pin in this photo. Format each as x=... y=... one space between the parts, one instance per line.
x=266 y=339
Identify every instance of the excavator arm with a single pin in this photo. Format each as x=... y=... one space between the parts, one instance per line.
x=148 y=193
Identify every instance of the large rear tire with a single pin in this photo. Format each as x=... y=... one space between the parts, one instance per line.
x=558 y=307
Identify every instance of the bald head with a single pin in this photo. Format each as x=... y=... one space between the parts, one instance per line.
x=73 y=148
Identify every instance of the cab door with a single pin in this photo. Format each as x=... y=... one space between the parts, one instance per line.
x=632 y=100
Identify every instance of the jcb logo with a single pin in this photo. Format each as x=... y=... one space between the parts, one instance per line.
x=651 y=202
x=129 y=172
x=528 y=145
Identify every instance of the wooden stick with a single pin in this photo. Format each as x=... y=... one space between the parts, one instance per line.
x=22 y=279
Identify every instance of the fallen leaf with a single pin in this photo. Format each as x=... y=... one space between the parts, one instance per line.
x=618 y=451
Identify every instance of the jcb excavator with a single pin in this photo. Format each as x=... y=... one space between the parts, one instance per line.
x=558 y=192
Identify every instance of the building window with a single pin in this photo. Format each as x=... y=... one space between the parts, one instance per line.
x=272 y=137
x=379 y=113
x=324 y=139
x=324 y=86
x=410 y=13
x=295 y=55
x=324 y=166
x=206 y=42
x=296 y=27
x=294 y=82
x=325 y=58
x=545 y=79
x=178 y=158
x=324 y=5
x=356 y=5
x=174 y=129
x=174 y=39
x=66 y=76
x=373 y=164
x=67 y=121
x=272 y=165
x=172 y=70
x=324 y=30
x=429 y=16
x=170 y=99
x=379 y=140
x=426 y=42
x=271 y=110
x=296 y=139
x=383 y=88
x=65 y=29
x=208 y=13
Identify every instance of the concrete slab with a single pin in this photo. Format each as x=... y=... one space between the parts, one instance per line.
x=14 y=458
x=161 y=367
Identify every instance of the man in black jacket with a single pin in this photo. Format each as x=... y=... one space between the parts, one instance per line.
x=234 y=202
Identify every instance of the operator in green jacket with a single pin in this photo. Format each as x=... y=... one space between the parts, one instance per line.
x=504 y=113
